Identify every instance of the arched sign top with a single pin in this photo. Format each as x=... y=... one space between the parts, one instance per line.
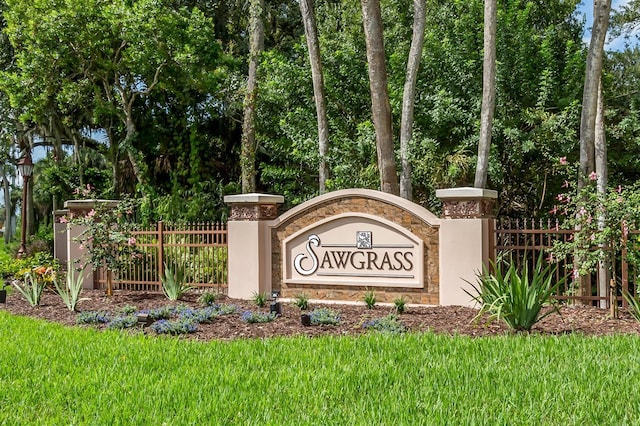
x=415 y=209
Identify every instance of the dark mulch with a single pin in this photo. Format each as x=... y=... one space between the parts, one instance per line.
x=438 y=319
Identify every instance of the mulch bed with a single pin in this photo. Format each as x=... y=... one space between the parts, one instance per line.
x=450 y=320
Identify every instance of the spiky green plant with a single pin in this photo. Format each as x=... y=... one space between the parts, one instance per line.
x=31 y=288
x=370 y=299
x=173 y=282
x=517 y=296
x=634 y=305
x=70 y=291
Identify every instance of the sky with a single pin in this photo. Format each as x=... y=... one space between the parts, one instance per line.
x=586 y=9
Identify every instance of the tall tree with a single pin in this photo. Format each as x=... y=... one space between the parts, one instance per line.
x=313 y=45
x=408 y=96
x=488 y=92
x=380 y=105
x=600 y=146
x=593 y=72
x=248 y=143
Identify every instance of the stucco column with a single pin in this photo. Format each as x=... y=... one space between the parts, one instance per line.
x=76 y=254
x=60 y=236
x=249 y=243
x=466 y=240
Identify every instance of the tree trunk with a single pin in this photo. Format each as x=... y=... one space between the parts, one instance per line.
x=408 y=96
x=8 y=229
x=380 y=105
x=313 y=45
x=601 y=11
x=604 y=266
x=593 y=72
x=248 y=143
x=488 y=93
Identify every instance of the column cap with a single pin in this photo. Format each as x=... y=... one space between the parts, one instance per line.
x=254 y=198
x=466 y=193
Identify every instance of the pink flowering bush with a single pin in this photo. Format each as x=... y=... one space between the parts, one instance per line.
x=108 y=237
x=600 y=222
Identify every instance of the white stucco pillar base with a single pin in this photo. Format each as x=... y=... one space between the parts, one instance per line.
x=466 y=241
x=249 y=243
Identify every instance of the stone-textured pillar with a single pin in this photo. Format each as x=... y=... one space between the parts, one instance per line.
x=466 y=241
x=249 y=242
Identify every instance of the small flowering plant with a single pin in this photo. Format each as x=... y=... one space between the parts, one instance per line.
x=108 y=238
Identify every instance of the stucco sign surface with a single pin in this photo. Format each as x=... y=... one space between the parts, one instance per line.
x=354 y=249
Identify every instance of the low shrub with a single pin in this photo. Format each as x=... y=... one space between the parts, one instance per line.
x=208 y=299
x=324 y=316
x=122 y=322
x=92 y=317
x=389 y=324
x=180 y=326
x=258 y=317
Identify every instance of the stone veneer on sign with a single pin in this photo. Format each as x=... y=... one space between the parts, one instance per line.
x=412 y=217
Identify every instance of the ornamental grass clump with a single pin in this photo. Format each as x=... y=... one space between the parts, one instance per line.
x=174 y=284
x=517 y=297
x=370 y=299
x=31 y=288
x=324 y=316
x=634 y=305
x=70 y=291
x=389 y=324
x=302 y=301
x=400 y=304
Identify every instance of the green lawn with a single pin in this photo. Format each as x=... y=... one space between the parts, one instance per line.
x=50 y=374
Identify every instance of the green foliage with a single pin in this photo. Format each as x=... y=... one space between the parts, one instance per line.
x=516 y=297
x=400 y=304
x=208 y=298
x=258 y=317
x=70 y=291
x=92 y=317
x=31 y=288
x=173 y=282
x=370 y=299
x=326 y=316
x=601 y=224
x=302 y=301
x=179 y=326
x=122 y=322
x=389 y=324
x=634 y=305
x=259 y=299
x=127 y=310
x=108 y=236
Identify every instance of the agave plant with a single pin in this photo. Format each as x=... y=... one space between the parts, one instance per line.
x=173 y=282
x=517 y=296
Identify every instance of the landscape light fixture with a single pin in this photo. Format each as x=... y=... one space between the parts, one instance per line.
x=275 y=307
x=25 y=168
